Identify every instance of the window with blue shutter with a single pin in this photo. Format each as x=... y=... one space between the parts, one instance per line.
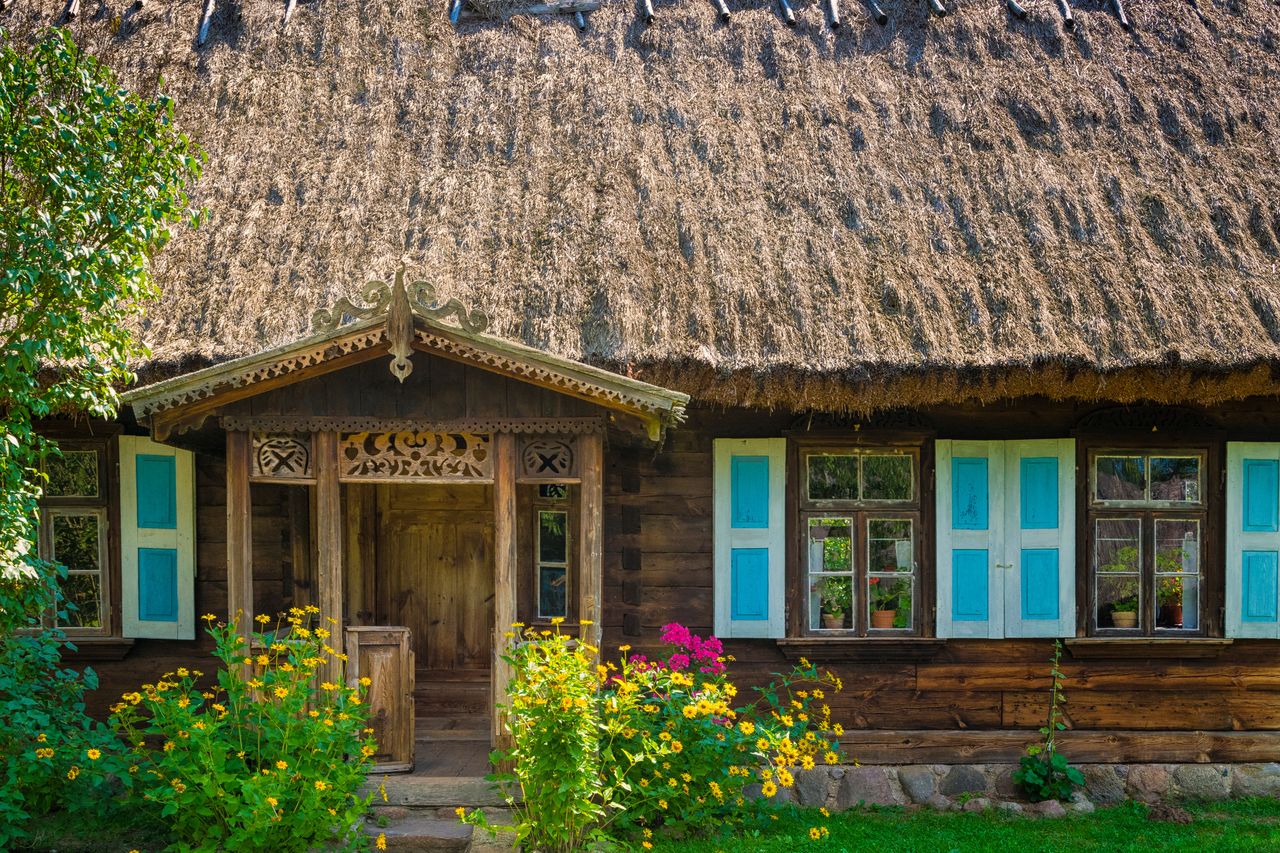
x=1253 y=540
x=157 y=540
x=749 y=481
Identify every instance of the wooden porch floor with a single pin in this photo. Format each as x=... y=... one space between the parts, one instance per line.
x=451 y=746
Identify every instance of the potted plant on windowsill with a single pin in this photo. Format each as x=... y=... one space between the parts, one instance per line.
x=1169 y=593
x=887 y=598
x=835 y=598
x=1124 y=613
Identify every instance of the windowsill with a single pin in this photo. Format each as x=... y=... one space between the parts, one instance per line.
x=1103 y=648
x=861 y=649
x=97 y=649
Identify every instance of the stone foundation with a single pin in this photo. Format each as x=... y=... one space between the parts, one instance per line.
x=979 y=786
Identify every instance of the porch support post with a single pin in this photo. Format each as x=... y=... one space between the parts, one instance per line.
x=505 y=557
x=329 y=544
x=239 y=535
x=591 y=536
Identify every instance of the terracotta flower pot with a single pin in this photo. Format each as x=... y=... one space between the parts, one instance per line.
x=832 y=622
x=1124 y=619
x=1171 y=615
x=882 y=618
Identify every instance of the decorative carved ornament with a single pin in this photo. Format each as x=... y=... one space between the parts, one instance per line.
x=355 y=423
x=282 y=456
x=416 y=456
x=548 y=458
x=535 y=372
x=399 y=302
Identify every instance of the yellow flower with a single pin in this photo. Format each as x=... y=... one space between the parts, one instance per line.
x=208 y=617
x=381 y=843
x=662 y=804
x=94 y=754
x=168 y=746
x=676 y=746
x=182 y=672
x=365 y=681
x=282 y=692
x=273 y=802
x=263 y=660
x=824 y=812
x=321 y=785
x=747 y=727
x=460 y=811
x=42 y=738
x=768 y=789
x=282 y=765
x=262 y=618
x=831 y=757
x=73 y=773
x=329 y=685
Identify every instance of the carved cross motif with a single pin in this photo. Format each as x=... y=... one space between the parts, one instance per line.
x=543 y=458
x=399 y=302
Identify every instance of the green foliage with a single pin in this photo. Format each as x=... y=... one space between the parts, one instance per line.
x=1044 y=773
x=53 y=755
x=266 y=760
x=92 y=177
x=641 y=749
x=836 y=594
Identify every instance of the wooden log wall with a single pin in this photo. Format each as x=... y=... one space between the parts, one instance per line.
x=976 y=699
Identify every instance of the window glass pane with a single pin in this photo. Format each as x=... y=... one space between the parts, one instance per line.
x=889 y=600
x=83 y=594
x=553 y=491
x=1118 y=561
x=1175 y=478
x=887 y=478
x=830 y=549
x=1177 y=573
x=552 y=537
x=889 y=546
x=833 y=478
x=551 y=592
x=1120 y=478
x=74 y=475
x=75 y=542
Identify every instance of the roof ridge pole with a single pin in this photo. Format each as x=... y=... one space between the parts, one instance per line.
x=1118 y=5
x=877 y=12
x=204 y=22
x=723 y=11
x=646 y=11
x=72 y=10
x=288 y=13
x=1068 y=20
x=788 y=14
x=1017 y=10
x=833 y=8
x=455 y=11
x=936 y=7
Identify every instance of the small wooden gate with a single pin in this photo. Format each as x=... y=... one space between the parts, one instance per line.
x=385 y=656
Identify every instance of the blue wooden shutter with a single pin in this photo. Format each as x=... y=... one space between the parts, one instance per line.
x=970 y=503
x=1040 y=534
x=1253 y=539
x=749 y=528
x=157 y=540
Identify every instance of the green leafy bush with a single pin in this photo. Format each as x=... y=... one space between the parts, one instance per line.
x=267 y=760
x=643 y=747
x=1044 y=773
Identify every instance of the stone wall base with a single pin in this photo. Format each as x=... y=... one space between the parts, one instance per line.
x=978 y=786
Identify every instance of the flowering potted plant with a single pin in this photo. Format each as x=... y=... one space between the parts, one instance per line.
x=1169 y=593
x=887 y=598
x=835 y=597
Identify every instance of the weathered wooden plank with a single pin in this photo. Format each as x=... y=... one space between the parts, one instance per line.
x=1100 y=675
x=1148 y=709
x=383 y=656
x=1081 y=747
x=328 y=527
x=857 y=708
x=591 y=536
x=239 y=535
x=505 y=568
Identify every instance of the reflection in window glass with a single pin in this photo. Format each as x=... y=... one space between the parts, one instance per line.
x=887 y=478
x=1175 y=478
x=889 y=545
x=1177 y=573
x=73 y=475
x=1120 y=478
x=1118 y=567
x=553 y=564
x=833 y=478
x=77 y=544
x=830 y=562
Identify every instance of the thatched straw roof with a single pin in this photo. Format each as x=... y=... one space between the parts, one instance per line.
x=937 y=209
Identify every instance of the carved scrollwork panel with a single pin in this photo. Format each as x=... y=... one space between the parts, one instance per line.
x=414 y=455
x=281 y=456
x=548 y=458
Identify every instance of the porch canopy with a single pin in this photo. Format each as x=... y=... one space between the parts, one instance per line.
x=451 y=405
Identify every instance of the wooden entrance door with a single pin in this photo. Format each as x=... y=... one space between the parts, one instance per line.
x=435 y=572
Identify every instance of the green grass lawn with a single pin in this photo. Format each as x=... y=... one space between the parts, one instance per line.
x=1243 y=825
